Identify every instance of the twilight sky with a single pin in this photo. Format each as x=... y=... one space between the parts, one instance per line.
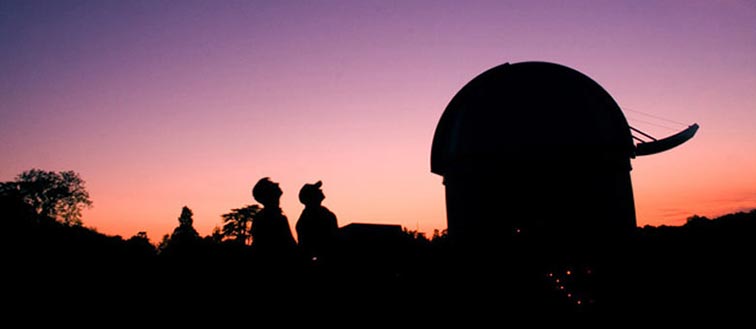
x=161 y=104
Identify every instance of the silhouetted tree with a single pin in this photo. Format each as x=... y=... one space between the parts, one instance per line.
x=217 y=235
x=59 y=195
x=163 y=245
x=18 y=216
x=237 y=225
x=139 y=244
x=185 y=230
x=444 y=234
x=141 y=236
x=697 y=220
x=415 y=235
x=185 y=238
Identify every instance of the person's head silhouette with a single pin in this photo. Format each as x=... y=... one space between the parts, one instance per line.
x=311 y=194
x=267 y=192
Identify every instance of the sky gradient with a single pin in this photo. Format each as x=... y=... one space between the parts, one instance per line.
x=164 y=104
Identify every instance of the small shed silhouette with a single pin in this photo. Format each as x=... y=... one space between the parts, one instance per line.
x=535 y=151
x=373 y=250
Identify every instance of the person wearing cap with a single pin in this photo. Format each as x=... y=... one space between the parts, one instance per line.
x=317 y=227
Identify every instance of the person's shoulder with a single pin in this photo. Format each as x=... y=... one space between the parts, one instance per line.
x=271 y=213
x=325 y=209
x=327 y=212
x=307 y=212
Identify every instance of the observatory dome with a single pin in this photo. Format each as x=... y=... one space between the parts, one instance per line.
x=531 y=110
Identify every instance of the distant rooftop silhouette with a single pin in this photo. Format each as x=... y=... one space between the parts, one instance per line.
x=371 y=229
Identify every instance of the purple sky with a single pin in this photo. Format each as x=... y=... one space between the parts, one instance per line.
x=161 y=104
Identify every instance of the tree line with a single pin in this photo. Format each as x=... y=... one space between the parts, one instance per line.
x=705 y=265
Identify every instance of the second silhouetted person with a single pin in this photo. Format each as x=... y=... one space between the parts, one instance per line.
x=317 y=227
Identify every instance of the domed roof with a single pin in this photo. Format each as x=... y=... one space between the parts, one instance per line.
x=527 y=110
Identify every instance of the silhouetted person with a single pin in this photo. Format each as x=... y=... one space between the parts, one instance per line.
x=317 y=227
x=271 y=235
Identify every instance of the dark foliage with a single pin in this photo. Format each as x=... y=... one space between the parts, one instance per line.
x=59 y=195
x=704 y=265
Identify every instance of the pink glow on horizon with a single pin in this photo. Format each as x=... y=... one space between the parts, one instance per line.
x=159 y=106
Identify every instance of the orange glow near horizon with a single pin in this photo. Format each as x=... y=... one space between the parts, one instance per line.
x=163 y=105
